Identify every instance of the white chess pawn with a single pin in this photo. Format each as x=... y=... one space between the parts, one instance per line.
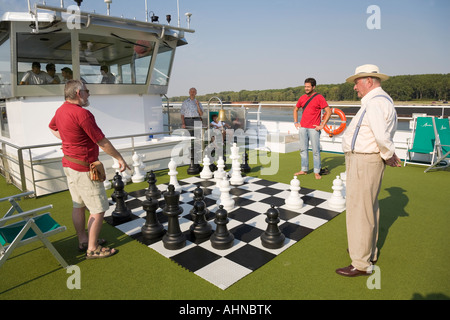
x=344 y=183
x=236 y=177
x=220 y=172
x=336 y=200
x=173 y=174
x=107 y=184
x=116 y=165
x=137 y=163
x=206 y=171
x=225 y=197
x=294 y=200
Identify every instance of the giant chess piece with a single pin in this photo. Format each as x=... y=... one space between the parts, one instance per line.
x=137 y=176
x=173 y=175
x=152 y=230
x=152 y=192
x=218 y=176
x=337 y=200
x=272 y=238
x=121 y=213
x=344 y=183
x=236 y=177
x=225 y=197
x=173 y=239
x=198 y=196
x=200 y=228
x=244 y=166
x=194 y=168
x=206 y=172
x=294 y=200
x=222 y=238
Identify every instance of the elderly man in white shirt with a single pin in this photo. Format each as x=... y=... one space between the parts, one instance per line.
x=191 y=110
x=368 y=145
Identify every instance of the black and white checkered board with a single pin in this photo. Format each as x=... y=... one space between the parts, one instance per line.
x=246 y=221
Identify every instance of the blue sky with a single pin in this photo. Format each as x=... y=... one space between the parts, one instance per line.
x=262 y=44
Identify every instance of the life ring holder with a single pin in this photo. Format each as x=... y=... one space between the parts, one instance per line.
x=329 y=129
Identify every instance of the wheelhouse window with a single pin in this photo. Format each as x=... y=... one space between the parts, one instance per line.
x=5 y=63
x=41 y=58
x=114 y=59
x=161 y=71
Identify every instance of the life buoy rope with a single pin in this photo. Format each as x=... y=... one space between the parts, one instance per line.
x=329 y=129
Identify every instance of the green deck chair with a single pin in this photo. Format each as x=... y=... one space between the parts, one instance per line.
x=30 y=228
x=423 y=137
x=442 y=145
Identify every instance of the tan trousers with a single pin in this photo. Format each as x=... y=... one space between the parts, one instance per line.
x=363 y=182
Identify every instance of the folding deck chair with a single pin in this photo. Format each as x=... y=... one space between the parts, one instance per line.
x=423 y=139
x=30 y=227
x=442 y=144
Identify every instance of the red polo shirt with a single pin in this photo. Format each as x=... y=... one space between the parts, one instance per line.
x=79 y=134
x=311 y=115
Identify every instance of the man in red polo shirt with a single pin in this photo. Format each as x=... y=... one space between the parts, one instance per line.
x=81 y=139
x=310 y=125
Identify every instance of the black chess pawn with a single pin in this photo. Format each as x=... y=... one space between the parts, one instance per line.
x=121 y=213
x=174 y=238
x=152 y=230
x=200 y=228
x=198 y=196
x=244 y=166
x=152 y=192
x=272 y=238
x=222 y=238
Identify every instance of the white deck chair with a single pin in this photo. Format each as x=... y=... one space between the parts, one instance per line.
x=30 y=227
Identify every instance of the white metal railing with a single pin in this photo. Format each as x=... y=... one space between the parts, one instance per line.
x=6 y=158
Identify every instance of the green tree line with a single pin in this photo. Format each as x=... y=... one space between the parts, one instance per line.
x=434 y=87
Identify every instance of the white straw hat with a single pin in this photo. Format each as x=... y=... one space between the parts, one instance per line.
x=367 y=70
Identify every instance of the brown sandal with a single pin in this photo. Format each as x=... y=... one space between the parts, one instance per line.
x=82 y=247
x=100 y=252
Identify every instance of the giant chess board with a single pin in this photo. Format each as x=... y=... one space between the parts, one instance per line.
x=246 y=222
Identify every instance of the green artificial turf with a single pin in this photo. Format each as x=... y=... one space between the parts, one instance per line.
x=413 y=242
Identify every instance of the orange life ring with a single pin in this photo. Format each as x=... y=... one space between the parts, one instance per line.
x=329 y=129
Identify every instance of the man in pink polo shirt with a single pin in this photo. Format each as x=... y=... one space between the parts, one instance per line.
x=81 y=139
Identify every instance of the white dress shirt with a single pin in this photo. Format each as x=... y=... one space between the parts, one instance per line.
x=377 y=128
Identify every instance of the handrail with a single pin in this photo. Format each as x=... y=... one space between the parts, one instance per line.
x=21 y=165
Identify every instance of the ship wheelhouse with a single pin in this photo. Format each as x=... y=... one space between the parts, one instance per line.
x=126 y=65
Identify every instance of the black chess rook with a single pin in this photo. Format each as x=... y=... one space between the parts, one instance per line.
x=173 y=239
x=222 y=238
x=272 y=238
x=121 y=213
x=152 y=230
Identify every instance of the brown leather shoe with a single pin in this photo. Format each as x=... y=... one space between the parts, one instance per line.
x=351 y=271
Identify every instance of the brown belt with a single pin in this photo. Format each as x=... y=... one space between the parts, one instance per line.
x=80 y=162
